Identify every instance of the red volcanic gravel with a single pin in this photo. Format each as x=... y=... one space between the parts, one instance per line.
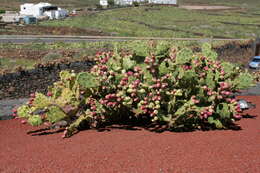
x=133 y=151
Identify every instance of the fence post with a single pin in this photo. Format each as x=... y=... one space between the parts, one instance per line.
x=257 y=46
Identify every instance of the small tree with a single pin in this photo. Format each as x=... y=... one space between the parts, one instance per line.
x=111 y=3
x=136 y=4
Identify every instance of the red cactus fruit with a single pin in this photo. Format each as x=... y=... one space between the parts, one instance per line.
x=49 y=94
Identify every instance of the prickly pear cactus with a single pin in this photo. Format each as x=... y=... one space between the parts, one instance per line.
x=41 y=101
x=55 y=114
x=163 y=84
x=35 y=120
x=87 y=80
x=24 y=111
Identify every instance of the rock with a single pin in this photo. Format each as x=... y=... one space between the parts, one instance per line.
x=11 y=89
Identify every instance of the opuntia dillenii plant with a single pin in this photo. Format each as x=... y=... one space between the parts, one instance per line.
x=169 y=86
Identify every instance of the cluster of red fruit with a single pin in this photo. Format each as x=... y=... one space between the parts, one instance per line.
x=111 y=100
x=208 y=111
x=151 y=63
x=103 y=57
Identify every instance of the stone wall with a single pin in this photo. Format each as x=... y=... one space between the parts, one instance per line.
x=239 y=53
x=22 y=83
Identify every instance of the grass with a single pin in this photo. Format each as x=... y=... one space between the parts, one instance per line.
x=6 y=63
x=103 y=44
x=163 y=21
x=53 y=46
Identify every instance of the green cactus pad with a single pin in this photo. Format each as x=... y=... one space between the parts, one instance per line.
x=87 y=80
x=223 y=110
x=163 y=69
x=208 y=52
x=210 y=80
x=35 y=120
x=184 y=56
x=24 y=111
x=55 y=114
x=65 y=75
x=162 y=48
x=128 y=63
x=41 y=101
x=67 y=97
x=244 y=81
x=217 y=123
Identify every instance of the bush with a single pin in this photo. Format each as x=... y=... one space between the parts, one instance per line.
x=2 y=11
x=111 y=3
x=136 y=4
x=99 y=7
x=173 y=87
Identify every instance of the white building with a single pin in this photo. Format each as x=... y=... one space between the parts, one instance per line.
x=166 y=2
x=11 y=17
x=127 y=2
x=130 y=2
x=103 y=3
x=123 y=2
x=43 y=9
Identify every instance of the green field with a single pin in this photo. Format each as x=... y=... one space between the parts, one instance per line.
x=163 y=21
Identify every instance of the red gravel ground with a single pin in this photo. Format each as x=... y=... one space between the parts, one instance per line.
x=133 y=151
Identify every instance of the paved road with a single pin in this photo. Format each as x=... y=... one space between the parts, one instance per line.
x=7 y=105
x=58 y=38
x=254 y=91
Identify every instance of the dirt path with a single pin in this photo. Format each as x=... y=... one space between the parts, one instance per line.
x=206 y=7
x=52 y=30
x=132 y=151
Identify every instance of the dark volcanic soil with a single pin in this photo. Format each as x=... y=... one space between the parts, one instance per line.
x=133 y=151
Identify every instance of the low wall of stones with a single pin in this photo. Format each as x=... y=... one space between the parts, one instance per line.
x=235 y=52
x=239 y=53
x=22 y=83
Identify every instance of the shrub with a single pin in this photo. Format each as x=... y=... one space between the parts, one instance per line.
x=111 y=3
x=136 y=4
x=99 y=7
x=173 y=87
x=2 y=11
